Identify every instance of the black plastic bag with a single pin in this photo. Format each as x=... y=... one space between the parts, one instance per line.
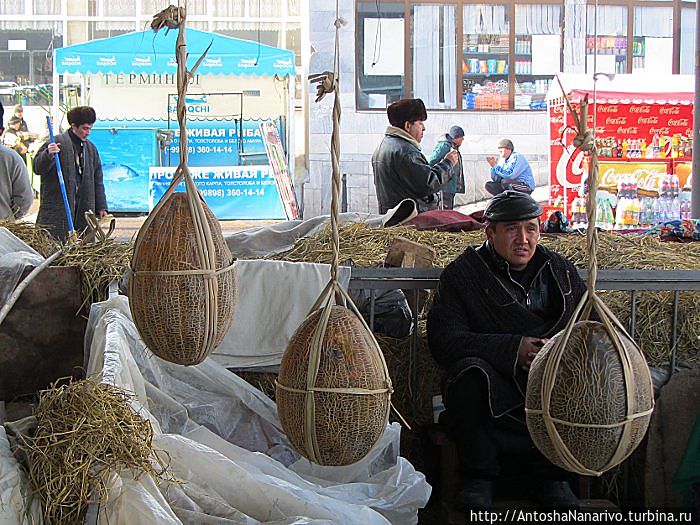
x=392 y=315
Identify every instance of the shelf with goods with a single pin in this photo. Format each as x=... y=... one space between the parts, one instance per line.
x=616 y=46
x=531 y=85
x=485 y=70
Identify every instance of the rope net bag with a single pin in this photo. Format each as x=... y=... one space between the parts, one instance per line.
x=333 y=390
x=182 y=287
x=589 y=393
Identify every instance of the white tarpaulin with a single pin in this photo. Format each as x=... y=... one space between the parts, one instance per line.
x=225 y=441
x=273 y=298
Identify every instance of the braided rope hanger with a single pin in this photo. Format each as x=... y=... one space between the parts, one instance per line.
x=333 y=293
x=585 y=141
x=174 y=17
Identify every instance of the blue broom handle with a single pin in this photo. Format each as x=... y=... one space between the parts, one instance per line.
x=60 y=180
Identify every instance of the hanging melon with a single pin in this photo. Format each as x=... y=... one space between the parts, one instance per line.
x=182 y=287
x=333 y=390
x=588 y=400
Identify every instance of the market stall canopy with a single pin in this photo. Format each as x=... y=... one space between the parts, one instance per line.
x=626 y=89
x=149 y=52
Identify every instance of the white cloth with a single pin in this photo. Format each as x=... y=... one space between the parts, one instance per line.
x=274 y=297
x=15 y=256
x=225 y=442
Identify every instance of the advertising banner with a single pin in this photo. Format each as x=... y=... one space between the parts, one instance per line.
x=648 y=175
x=231 y=192
x=618 y=120
x=278 y=161
x=129 y=149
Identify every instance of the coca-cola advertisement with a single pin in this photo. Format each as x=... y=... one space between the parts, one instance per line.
x=649 y=134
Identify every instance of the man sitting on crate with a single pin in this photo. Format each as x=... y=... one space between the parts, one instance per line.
x=495 y=307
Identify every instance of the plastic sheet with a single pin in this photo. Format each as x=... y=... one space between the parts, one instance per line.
x=16 y=508
x=15 y=256
x=223 y=437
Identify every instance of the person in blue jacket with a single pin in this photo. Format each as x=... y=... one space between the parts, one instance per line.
x=448 y=142
x=510 y=172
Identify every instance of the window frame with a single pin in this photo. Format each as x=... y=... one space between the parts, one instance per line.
x=677 y=6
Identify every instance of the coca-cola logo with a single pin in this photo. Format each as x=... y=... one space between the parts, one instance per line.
x=632 y=130
x=640 y=109
x=648 y=120
x=678 y=122
x=557 y=120
x=647 y=178
x=616 y=120
x=558 y=109
x=670 y=111
x=555 y=142
x=663 y=130
x=611 y=108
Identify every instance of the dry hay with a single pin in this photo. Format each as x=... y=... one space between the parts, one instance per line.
x=367 y=247
x=85 y=430
x=100 y=262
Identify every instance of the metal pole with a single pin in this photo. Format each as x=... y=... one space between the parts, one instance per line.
x=695 y=192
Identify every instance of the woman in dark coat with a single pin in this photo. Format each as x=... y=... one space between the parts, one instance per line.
x=82 y=174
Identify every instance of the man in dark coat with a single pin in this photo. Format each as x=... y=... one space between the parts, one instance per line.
x=495 y=307
x=400 y=169
x=82 y=174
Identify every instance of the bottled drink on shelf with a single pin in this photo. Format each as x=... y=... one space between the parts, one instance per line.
x=655 y=146
x=675 y=185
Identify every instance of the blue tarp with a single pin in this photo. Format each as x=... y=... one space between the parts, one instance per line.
x=148 y=52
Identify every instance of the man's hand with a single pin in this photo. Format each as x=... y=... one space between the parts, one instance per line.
x=491 y=160
x=101 y=214
x=528 y=349
x=54 y=148
x=452 y=157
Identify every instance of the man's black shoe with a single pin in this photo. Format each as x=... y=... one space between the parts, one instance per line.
x=554 y=495
x=476 y=494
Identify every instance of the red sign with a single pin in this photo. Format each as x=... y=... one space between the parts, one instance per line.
x=620 y=121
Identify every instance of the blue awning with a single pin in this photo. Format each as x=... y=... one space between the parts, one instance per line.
x=149 y=52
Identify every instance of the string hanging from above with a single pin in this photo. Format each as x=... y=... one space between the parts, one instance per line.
x=333 y=391
x=182 y=287
x=589 y=394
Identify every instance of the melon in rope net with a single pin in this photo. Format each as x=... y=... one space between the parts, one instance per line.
x=181 y=317
x=345 y=426
x=588 y=406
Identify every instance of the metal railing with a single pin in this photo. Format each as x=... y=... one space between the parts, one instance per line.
x=633 y=281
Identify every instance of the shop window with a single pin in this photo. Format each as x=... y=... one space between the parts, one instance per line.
x=537 y=53
x=294 y=7
x=485 y=56
x=47 y=7
x=433 y=55
x=12 y=7
x=225 y=8
x=108 y=29
x=652 y=46
x=267 y=33
x=606 y=39
x=380 y=53
x=118 y=8
x=687 y=41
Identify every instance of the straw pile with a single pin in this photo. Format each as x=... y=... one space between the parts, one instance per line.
x=85 y=430
x=367 y=247
x=100 y=262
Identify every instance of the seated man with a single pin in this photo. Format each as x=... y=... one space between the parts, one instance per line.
x=510 y=172
x=495 y=307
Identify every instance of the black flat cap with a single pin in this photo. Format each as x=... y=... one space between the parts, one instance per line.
x=512 y=206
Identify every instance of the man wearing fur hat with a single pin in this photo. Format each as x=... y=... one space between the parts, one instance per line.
x=401 y=171
x=510 y=172
x=495 y=307
x=82 y=174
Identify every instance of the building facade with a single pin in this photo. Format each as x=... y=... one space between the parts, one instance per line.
x=483 y=66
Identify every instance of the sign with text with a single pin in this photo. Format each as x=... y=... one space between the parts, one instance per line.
x=647 y=174
x=620 y=121
x=231 y=192
x=278 y=161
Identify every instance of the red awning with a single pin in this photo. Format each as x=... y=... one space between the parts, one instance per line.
x=618 y=97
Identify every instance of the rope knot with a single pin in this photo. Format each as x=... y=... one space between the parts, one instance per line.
x=327 y=82
x=584 y=141
x=171 y=17
x=339 y=22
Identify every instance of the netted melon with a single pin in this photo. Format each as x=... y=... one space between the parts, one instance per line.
x=333 y=404
x=588 y=403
